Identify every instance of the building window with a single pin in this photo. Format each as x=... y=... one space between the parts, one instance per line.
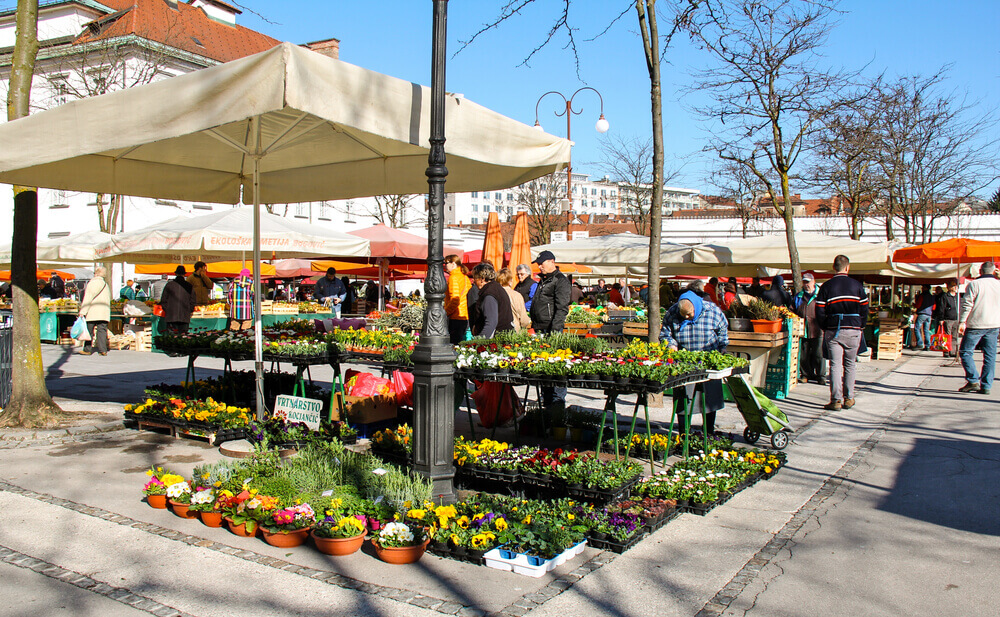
x=475 y=221
x=475 y=194
x=201 y=207
x=542 y=187
x=302 y=211
x=324 y=211
x=58 y=234
x=510 y=196
x=486 y=208
x=475 y=207
x=486 y=194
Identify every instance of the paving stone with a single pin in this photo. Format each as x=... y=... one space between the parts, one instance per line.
x=449 y=608
x=561 y=585
x=147 y=605
x=470 y=611
x=515 y=610
x=427 y=602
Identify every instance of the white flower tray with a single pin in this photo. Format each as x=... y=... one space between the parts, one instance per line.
x=534 y=567
x=721 y=373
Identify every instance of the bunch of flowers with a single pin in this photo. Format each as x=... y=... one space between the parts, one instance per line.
x=292 y=518
x=179 y=491
x=470 y=452
x=208 y=411
x=397 y=535
x=155 y=485
x=295 y=348
x=398 y=440
x=203 y=500
x=344 y=526
x=546 y=461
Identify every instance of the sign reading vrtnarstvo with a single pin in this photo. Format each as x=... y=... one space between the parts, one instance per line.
x=298 y=409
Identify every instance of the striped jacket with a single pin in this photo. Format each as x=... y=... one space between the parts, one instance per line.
x=842 y=303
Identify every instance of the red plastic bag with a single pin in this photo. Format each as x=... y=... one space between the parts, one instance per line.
x=496 y=403
x=366 y=384
x=402 y=385
x=941 y=341
x=158 y=310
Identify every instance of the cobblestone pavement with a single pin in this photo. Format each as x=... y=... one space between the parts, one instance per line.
x=693 y=566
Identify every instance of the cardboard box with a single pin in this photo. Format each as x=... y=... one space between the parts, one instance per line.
x=365 y=410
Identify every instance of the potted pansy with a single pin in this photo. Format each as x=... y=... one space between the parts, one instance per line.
x=288 y=527
x=246 y=511
x=179 y=495
x=203 y=502
x=399 y=543
x=154 y=489
x=339 y=533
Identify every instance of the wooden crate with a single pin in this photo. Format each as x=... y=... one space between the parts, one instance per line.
x=798 y=327
x=118 y=342
x=890 y=345
x=267 y=307
x=143 y=341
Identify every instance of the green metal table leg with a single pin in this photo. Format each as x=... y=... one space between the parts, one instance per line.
x=704 y=425
x=649 y=432
x=604 y=420
x=689 y=407
x=670 y=428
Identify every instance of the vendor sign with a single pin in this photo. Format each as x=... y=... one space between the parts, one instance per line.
x=298 y=409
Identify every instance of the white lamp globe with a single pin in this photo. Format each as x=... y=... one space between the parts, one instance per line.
x=602 y=125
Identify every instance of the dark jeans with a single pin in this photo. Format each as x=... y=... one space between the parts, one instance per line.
x=987 y=338
x=457 y=329
x=98 y=335
x=813 y=364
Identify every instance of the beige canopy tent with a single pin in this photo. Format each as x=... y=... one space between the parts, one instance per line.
x=227 y=234
x=73 y=250
x=816 y=252
x=282 y=126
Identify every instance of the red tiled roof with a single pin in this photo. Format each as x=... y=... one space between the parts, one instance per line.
x=183 y=28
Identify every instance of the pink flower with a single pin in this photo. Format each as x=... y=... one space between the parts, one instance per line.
x=284 y=517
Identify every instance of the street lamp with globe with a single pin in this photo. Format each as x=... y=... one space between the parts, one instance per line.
x=601 y=126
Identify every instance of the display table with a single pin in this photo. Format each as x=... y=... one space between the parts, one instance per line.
x=51 y=324
x=199 y=324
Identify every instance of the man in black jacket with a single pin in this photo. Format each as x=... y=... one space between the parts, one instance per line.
x=842 y=312
x=549 y=308
x=177 y=301
x=946 y=313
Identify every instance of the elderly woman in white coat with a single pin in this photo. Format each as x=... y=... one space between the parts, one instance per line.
x=96 y=309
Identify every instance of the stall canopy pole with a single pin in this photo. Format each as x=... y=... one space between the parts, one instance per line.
x=258 y=360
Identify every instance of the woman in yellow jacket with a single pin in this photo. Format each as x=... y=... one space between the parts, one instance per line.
x=455 y=303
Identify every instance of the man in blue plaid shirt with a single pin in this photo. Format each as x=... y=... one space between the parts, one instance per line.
x=695 y=324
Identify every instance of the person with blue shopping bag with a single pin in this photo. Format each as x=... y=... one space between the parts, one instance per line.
x=96 y=309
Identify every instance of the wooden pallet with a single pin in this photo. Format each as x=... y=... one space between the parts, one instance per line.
x=143 y=341
x=890 y=345
x=165 y=428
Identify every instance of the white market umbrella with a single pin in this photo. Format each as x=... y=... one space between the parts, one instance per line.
x=816 y=252
x=227 y=234
x=283 y=126
x=75 y=249
x=614 y=251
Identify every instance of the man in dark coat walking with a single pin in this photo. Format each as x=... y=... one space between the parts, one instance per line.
x=177 y=301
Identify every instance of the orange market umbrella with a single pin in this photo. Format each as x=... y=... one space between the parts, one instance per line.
x=40 y=274
x=493 y=244
x=953 y=251
x=520 y=249
x=219 y=269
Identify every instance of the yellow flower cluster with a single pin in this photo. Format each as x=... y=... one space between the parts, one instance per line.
x=209 y=411
x=471 y=451
x=350 y=525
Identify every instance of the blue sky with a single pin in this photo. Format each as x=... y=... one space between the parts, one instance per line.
x=895 y=36
x=393 y=37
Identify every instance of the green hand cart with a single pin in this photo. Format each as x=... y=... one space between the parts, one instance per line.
x=761 y=415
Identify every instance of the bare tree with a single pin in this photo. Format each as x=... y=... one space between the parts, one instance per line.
x=846 y=158
x=96 y=65
x=744 y=189
x=768 y=93
x=934 y=152
x=629 y=162
x=30 y=403
x=652 y=44
x=390 y=210
x=541 y=199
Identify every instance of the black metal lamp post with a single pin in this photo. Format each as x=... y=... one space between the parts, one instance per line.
x=434 y=356
x=602 y=126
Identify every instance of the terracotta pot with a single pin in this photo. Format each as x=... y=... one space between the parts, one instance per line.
x=339 y=546
x=182 y=509
x=286 y=539
x=157 y=501
x=212 y=518
x=766 y=326
x=402 y=555
x=241 y=529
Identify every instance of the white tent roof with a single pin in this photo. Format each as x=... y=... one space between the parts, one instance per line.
x=221 y=235
x=76 y=249
x=327 y=130
x=816 y=252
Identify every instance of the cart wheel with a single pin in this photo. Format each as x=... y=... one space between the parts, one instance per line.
x=779 y=440
x=749 y=436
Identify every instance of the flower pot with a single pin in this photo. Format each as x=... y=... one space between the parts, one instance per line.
x=766 y=326
x=576 y=434
x=212 y=518
x=157 y=501
x=559 y=432
x=401 y=555
x=241 y=529
x=458 y=551
x=286 y=539
x=182 y=509
x=339 y=546
x=598 y=535
x=738 y=324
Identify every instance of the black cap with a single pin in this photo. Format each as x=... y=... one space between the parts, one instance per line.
x=544 y=256
x=332 y=271
x=180 y=271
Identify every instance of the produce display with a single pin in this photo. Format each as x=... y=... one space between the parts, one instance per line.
x=59 y=305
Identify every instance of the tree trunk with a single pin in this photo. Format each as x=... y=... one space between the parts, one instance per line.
x=30 y=405
x=793 y=250
x=646 y=11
